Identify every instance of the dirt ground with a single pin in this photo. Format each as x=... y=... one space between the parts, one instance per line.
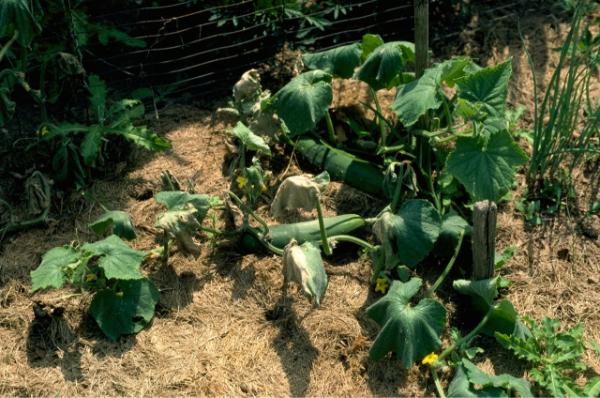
x=214 y=333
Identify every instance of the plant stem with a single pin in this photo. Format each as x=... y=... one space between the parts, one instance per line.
x=382 y=130
x=468 y=337
x=265 y=243
x=353 y=239
x=448 y=268
x=248 y=211
x=326 y=247
x=210 y=230
x=330 y=130
x=436 y=381
x=166 y=249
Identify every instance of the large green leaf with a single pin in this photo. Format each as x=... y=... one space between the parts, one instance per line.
x=487 y=88
x=409 y=235
x=410 y=332
x=117 y=259
x=50 y=272
x=16 y=15
x=303 y=264
x=304 y=101
x=339 y=61
x=250 y=140
x=125 y=310
x=120 y=222
x=486 y=165
x=384 y=64
x=419 y=96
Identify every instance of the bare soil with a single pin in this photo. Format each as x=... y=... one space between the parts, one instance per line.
x=214 y=332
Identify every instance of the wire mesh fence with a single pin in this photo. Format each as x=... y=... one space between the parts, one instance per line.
x=197 y=49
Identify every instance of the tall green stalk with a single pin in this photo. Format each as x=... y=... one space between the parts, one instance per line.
x=559 y=116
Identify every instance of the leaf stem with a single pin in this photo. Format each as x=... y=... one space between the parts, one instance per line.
x=330 y=130
x=248 y=211
x=353 y=239
x=326 y=247
x=468 y=337
x=436 y=381
x=382 y=130
x=448 y=268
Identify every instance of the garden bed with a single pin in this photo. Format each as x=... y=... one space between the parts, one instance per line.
x=215 y=332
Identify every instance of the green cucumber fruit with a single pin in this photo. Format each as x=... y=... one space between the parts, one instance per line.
x=342 y=166
x=306 y=231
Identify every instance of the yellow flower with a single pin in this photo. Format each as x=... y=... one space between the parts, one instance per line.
x=43 y=131
x=430 y=359
x=90 y=277
x=241 y=181
x=382 y=285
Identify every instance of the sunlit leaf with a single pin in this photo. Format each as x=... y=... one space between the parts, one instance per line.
x=487 y=87
x=486 y=165
x=417 y=97
x=116 y=258
x=303 y=102
x=369 y=43
x=50 y=272
x=338 y=61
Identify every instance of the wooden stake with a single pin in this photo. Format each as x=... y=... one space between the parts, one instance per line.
x=421 y=36
x=484 y=239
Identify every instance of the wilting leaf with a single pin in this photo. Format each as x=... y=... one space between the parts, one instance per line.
x=304 y=101
x=120 y=222
x=177 y=200
x=486 y=165
x=339 y=61
x=298 y=193
x=182 y=225
x=410 y=332
x=125 y=310
x=303 y=264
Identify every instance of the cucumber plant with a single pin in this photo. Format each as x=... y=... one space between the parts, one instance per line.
x=123 y=298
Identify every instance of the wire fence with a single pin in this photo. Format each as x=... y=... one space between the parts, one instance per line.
x=197 y=50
